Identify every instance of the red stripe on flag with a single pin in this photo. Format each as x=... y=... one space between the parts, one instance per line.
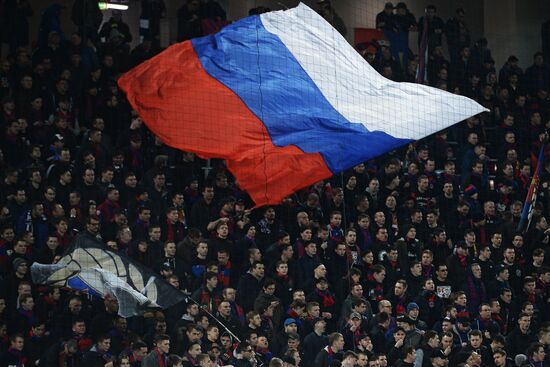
x=189 y=110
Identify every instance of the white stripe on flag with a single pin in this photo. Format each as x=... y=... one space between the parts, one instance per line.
x=355 y=89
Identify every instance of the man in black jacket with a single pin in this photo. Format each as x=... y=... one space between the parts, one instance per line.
x=457 y=264
x=378 y=331
x=250 y=286
x=226 y=317
x=64 y=353
x=244 y=355
x=14 y=356
x=280 y=342
x=104 y=320
x=314 y=342
x=37 y=342
x=475 y=339
x=520 y=337
x=307 y=263
x=204 y=209
x=98 y=355
x=331 y=352
x=430 y=305
x=409 y=356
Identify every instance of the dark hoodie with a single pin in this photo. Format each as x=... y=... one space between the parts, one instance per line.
x=409 y=249
x=430 y=306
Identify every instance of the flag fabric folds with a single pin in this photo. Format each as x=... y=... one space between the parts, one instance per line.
x=531 y=199
x=285 y=100
x=90 y=266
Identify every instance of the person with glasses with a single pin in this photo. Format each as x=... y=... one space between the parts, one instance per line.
x=443 y=286
x=93 y=226
x=484 y=322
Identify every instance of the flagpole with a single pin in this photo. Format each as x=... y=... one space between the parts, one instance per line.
x=214 y=317
x=423 y=52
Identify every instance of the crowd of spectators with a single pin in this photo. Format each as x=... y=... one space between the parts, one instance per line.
x=414 y=258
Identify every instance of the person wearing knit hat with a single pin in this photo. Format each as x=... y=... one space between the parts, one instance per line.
x=405 y=229
x=471 y=196
x=470 y=191
x=19 y=261
x=413 y=311
x=464 y=320
x=290 y=321
x=413 y=335
x=412 y=306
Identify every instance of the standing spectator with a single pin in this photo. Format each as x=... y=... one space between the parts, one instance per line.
x=249 y=286
x=152 y=11
x=521 y=336
x=15 y=26
x=50 y=22
x=436 y=27
x=327 y=11
x=537 y=76
x=457 y=33
x=457 y=265
x=189 y=25
x=384 y=19
x=403 y=21
x=116 y=22
x=328 y=354
x=87 y=16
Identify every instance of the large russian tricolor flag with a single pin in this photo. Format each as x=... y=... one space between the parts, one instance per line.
x=285 y=100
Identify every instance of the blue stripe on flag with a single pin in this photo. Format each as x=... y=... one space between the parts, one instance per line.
x=260 y=69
